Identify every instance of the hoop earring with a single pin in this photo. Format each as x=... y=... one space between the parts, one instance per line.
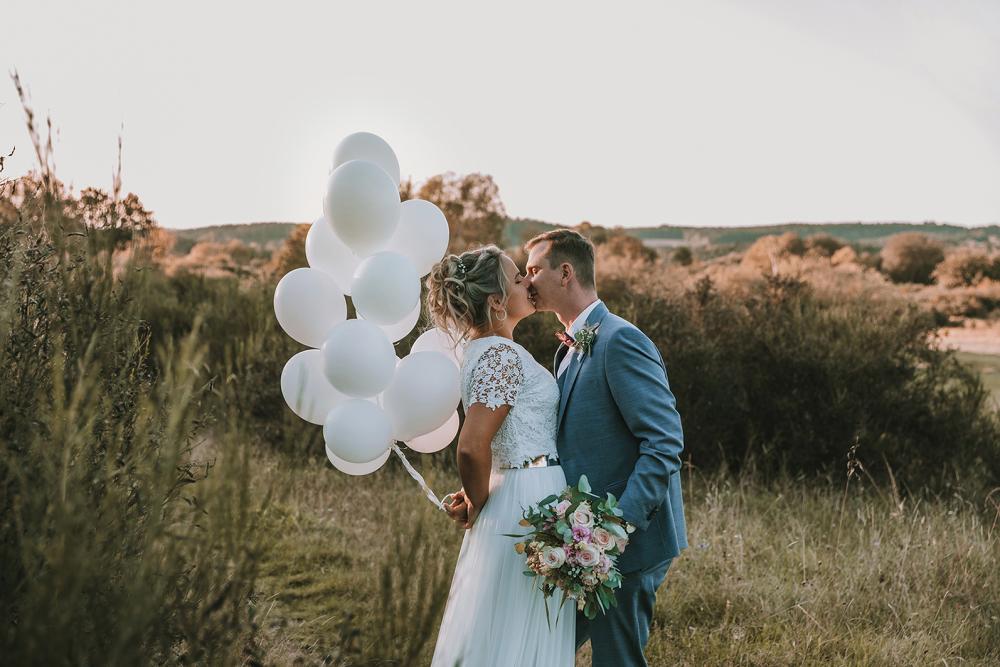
x=501 y=319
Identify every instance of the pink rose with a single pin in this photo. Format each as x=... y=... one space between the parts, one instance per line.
x=602 y=538
x=587 y=555
x=562 y=507
x=582 y=516
x=553 y=557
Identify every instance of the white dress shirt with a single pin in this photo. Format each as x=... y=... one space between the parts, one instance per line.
x=574 y=327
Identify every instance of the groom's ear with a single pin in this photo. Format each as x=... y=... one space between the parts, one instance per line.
x=567 y=272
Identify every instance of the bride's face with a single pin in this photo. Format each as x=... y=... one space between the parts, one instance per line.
x=518 y=305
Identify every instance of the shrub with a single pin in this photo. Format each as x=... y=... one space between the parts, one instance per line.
x=682 y=256
x=127 y=538
x=765 y=253
x=823 y=245
x=965 y=268
x=911 y=258
x=790 y=379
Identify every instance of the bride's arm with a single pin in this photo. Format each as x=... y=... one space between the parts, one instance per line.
x=475 y=458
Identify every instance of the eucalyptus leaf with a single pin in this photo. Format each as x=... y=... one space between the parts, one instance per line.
x=614 y=528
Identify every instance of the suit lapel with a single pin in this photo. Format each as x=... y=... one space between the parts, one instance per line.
x=596 y=315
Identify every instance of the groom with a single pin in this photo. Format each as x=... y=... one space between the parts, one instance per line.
x=619 y=426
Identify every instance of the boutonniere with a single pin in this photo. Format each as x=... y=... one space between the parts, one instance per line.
x=585 y=338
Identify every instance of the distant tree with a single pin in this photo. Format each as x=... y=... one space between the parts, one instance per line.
x=596 y=233
x=120 y=220
x=22 y=198
x=629 y=247
x=822 y=245
x=292 y=254
x=911 y=258
x=476 y=215
x=765 y=253
x=92 y=211
x=3 y=158
x=963 y=268
x=846 y=255
x=683 y=256
x=406 y=189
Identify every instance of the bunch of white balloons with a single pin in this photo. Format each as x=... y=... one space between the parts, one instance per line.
x=373 y=248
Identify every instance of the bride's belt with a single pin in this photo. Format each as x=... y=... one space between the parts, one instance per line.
x=540 y=461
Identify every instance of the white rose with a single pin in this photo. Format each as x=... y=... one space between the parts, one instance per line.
x=582 y=516
x=589 y=579
x=553 y=557
x=587 y=555
x=602 y=539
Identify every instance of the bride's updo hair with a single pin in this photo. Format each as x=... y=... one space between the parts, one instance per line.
x=458 y=287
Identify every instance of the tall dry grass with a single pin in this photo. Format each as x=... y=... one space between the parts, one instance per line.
x=788 y=571
x=125 y=538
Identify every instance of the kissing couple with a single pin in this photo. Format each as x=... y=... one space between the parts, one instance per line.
x=605 y=411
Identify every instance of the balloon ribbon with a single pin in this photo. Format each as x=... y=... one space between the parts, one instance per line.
x=417 y=476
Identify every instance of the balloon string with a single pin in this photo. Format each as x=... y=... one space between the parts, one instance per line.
x=417 y=476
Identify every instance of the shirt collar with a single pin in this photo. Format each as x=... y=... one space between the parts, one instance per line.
x=581 y=319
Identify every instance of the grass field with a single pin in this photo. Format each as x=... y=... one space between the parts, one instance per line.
x=790 y=573
x=988 y=366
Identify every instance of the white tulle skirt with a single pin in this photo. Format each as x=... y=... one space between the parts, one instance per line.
x=495 y=615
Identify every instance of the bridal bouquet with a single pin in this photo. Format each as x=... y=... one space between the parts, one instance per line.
x=574 y=546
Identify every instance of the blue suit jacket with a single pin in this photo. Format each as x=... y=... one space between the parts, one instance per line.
x=618 y=424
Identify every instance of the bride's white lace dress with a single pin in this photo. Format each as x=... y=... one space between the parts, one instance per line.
x=495 y=615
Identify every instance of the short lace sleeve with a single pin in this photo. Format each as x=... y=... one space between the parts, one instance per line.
x=497 y=377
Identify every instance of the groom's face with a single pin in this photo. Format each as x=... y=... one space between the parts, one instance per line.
x=545 y=282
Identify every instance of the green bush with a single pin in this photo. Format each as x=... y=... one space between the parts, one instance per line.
x=128 y=536
x=788 y=380
x=911 y=258
x=791 y=380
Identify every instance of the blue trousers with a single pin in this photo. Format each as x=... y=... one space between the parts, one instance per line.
x=618 y=638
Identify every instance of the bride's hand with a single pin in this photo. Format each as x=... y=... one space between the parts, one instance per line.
x=457 y=509
x=472 y=513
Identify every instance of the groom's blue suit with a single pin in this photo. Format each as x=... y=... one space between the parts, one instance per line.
x=618 y=424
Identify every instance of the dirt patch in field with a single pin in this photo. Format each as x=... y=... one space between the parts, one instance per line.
x=973 y=336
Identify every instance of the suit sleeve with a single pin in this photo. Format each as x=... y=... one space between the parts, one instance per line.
x=638 y=383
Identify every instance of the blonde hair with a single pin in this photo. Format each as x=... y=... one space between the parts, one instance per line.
x=458 y=289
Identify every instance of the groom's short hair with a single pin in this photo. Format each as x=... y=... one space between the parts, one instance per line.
x=566 y=245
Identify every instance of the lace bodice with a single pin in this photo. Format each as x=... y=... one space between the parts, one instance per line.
x=497 y=371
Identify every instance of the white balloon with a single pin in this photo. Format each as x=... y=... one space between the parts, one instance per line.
x=326 y=252
x=305 y=388
x=358 y=359
x=357 y=431
x=308 y=304
x=357 y=468
x=370 y=147
x=385 y=288
x=436 y=340
x=400 y=330
x=422 y=234
x=437 y=439
x=362 y=206
x=423 y=394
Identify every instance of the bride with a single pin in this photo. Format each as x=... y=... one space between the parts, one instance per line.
x=507 y=460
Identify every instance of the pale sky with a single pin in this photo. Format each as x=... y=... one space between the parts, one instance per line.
x=629 y=113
